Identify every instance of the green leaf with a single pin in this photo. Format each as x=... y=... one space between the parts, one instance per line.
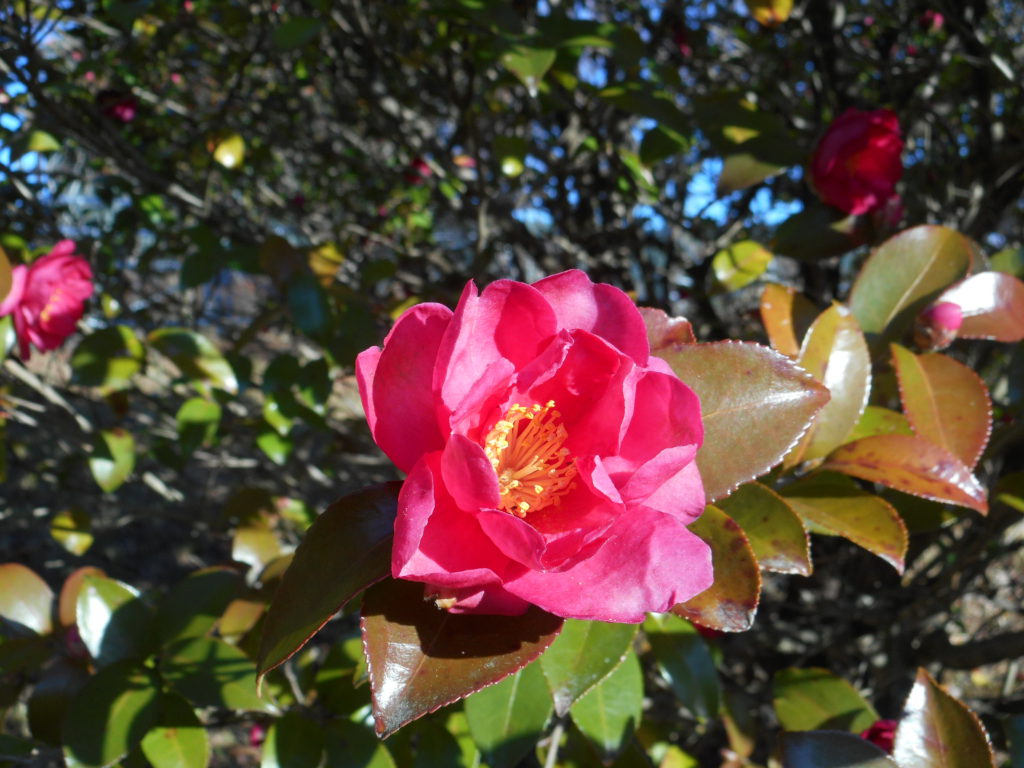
x=50 y=698
x=1009 y=261
x=905 y=274
x=195 y=356
x=740 y=264
x=67 y=603
x=813 y=699
x=992 y=304
x=911 y=465
x=584 y=653
x=831 y=749
x=179 y=740
x=835 y=353
x=108 y=359
x=296 y=33
x=275 y=446
x=879 y=421
x=198 y=419
x=210 y=673
x=685 y=662
x=817 y=232
x=349 y=743
x=70 y=528
x=730 y=603
x=293 y=742
x=112 y=459
x=611 y=711
x=41 y=141
x=528 y=64
x=346 y=550
x=744 y=389
x=113 y=621
x=25 y=598
x=421 y=658
x=937 y=729
x=336 y=679
x=256 y=545
x=786 y=315
x=111 y=714
x=946 y=402
x=835 y=503
x=506 y=720
x=661 y=142
x=775 y=532
x=744 y=169
x=194 y=604
x=229 y=151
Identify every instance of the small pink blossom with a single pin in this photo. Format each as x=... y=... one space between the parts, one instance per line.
x=257 y=735
x=419 y=171
x=882 y=733
x=47 y=298
x=931 y=21
x=550 y=457
x=937 y=326
x=121 y=107
x=682 y=42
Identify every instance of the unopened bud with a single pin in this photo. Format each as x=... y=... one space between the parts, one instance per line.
x=937 y=326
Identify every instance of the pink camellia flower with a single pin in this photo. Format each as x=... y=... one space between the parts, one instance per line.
x=936 y=327
x=47 y=297
x=931 y=21
x=118 y=106
x=857 y=162
x=882 y=733
x=550 y=457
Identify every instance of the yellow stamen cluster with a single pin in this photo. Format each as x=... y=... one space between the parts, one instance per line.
x=51 y=304
x=527 y=449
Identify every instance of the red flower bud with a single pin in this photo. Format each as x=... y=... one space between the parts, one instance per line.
x=937 y=326
x=881 y=734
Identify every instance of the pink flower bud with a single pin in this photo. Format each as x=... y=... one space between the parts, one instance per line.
x=257 y=735
x=931 y=21
x=881 y=734
x=936 y=327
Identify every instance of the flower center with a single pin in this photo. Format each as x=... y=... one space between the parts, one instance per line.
x=528 y=453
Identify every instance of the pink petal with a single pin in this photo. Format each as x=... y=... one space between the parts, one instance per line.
x=405 y=423
x=468 y=475
x=666 y=413
x=509 y=321
x=649 y=563
x=366 y=368
x=669 y=483
x=438 y=543
x=602 y=309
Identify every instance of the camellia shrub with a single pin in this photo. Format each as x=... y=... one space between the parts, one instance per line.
x=509 y=384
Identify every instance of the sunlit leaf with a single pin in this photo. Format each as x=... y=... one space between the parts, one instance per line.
x=775 y=532
x=835 y=504
x=583 y=654
x=528 y=64
x=5 y=275
x=831 y=749
x=937 y=729
x=610 y=712
x=770 y=12
x=230 y=151
x=946 y=402
x=812 y=699
x=730 y=603
x=195 y=356
x=740 y=264
x=67 y=602
x=112 y=459
x=25 y=598
x=108 y=359
x=421 y=658
x=71 y=528
x=179 y=740
x=911 y=465
x=198 y=419
x=113 y=621
x=744 y=389
x=293 y=742
x=506 y=720
x=211 y=673
x=786 y=315
x=905 y=273
x=685 y=662
x=347 y=549
x=879 y=421
x=992 y=305
x=194 y=604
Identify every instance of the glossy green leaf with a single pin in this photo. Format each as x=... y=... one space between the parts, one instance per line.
x=198 y=419
x=275 y=446
x=938 y=730
x=835 y=353
x=506 y=720
x=584 y=653
x=349 y=743
x=992 y=304
x=911 y=465
x=194 y=604
x=111 y=714
x=946 y=402
x=25 y=598
x=346 y=550
x=112 y=459
x=210 y=673
x=67 y=602
x=51 y=695
x=528 y=64
x=831 y=749
x=108 y=359
x=744 y=389
x=611 y=711
x=296 y=32
x=41 y=141
x=744 y=169
x=775 y=532
x=293 y=742
x=905 y=273
x=70 y=528
x=730 y=603
x=879 y=421
x=336 y=679
x=813 y=699
x=195 y=356
x=835 y=503
x=113 y=621
x=817 y=232
x=421 y=658
x=685 y=662
x=179 y=740
x=740 y=264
